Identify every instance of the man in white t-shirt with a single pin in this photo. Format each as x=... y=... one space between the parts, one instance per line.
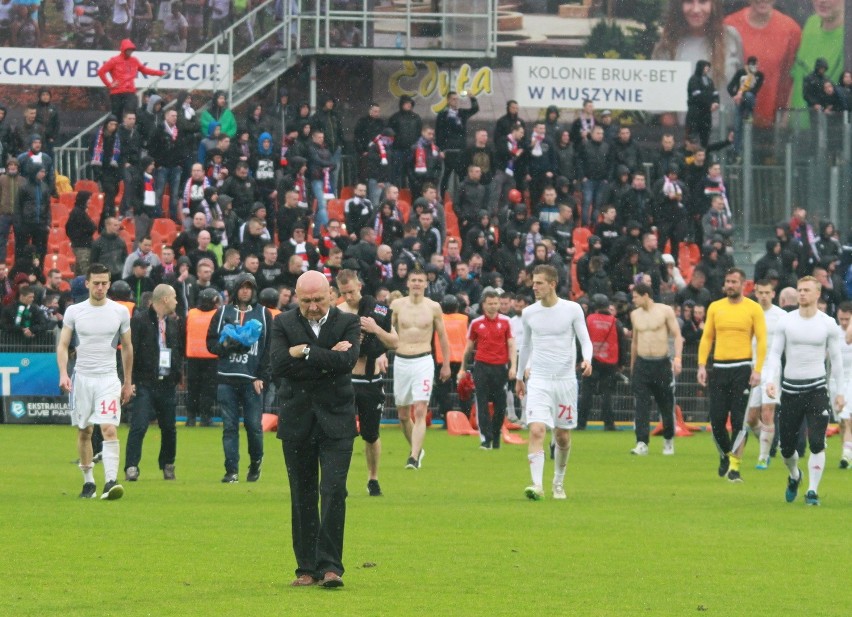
x=548 y=353
x=844 y=318
x=97 y=325
x=760 y=416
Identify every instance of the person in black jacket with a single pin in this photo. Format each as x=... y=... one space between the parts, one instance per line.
x=130 y=161
x=743 y=88
x=158 y=351
x=31 y=218
x=242 y=372
x=596 y=170
x=314 y=349
x=166 y=150
x=451 y=134
x=702 y=100
x=812 y=90
x=406 y=125
x=105 y=160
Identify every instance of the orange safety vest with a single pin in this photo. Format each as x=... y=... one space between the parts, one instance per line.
x=456 y=328
x=275 y=312
x=197 y=324
x=603 y=331
x=130 y=306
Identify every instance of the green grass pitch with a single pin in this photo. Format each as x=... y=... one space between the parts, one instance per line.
x=637 y=536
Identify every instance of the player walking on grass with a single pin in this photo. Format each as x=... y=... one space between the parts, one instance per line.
x=95 y=391
x=377 y=336
x=805 y=336
x=760 y=417
x=551 y=326
x=731 y=323
x=844 y=317
x=415 y=318
x=652 y=370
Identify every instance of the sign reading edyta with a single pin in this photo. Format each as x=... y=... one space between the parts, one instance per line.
x=647 y=85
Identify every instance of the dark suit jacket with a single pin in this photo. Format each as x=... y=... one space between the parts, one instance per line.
x=320 y=388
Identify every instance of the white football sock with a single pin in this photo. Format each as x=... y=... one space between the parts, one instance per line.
x=536 y=467
x=847 y=449
x=767 y=434
x=560 y=458
x=110 y=458
x=88 y=474
x=816 y=465
x=793 y=465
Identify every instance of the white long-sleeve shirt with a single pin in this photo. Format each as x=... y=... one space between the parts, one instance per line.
x=805 y=342
x=548 y=345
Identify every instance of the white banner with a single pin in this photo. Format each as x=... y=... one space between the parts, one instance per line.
x=650 y=85
x=78 y=67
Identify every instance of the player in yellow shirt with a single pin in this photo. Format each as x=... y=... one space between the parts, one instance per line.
x=731 y=323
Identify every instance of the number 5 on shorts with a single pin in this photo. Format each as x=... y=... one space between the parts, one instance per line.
x=427 y=385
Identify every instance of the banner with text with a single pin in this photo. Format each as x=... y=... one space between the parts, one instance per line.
x=646 y=85
x=36 y=410
x=79 y=67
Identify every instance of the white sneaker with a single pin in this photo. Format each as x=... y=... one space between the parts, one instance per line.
x=641 y=449
x=559 y=491
x=668 y=447
x=534 y=492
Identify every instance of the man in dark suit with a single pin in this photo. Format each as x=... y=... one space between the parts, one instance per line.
x=314 y=349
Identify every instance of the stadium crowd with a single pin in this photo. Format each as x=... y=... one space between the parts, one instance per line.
x=195 y=197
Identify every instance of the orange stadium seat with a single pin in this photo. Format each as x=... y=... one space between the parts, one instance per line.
x=335 y=209
x=87 y=185
x=61 y=262
x=346 y=192
x=68 y=199
x=166 y=228
x=404 y=209
x=581 y=239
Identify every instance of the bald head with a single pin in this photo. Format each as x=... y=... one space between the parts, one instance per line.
x=312 y=291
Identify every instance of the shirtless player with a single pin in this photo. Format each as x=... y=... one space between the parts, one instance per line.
x=652 y=369
x=416 y=318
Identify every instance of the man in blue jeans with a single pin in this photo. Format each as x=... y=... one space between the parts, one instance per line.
x=242 y=372
x=320 y=168
x=157 y=359
x=166 y=150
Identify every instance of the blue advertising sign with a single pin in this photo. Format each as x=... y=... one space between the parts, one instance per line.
x=29 y=374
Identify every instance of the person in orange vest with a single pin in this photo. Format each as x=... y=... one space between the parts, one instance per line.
x=200 y=363
x=120 y=292
x=608 y=355
x=455 y=324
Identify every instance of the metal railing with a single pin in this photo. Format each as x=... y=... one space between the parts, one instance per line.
x=688 y=394
x=309 y=28
x=71 y=158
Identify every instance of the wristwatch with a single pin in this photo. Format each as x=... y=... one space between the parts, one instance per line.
x=306 y=351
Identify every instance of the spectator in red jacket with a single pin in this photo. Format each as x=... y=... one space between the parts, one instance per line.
x=122 y=70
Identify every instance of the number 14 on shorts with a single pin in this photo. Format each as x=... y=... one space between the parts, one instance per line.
x=107 y=408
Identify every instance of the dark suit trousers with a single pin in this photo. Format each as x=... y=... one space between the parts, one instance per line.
x=318 y=531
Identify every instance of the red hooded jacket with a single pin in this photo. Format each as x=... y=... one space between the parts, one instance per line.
x=123 y=69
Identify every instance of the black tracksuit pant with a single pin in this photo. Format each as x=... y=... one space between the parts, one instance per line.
x=729 y=391
x=491 y=381
x=652 y=377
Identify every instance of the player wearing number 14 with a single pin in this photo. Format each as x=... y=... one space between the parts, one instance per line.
x=96 y=326
x=548 y=353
